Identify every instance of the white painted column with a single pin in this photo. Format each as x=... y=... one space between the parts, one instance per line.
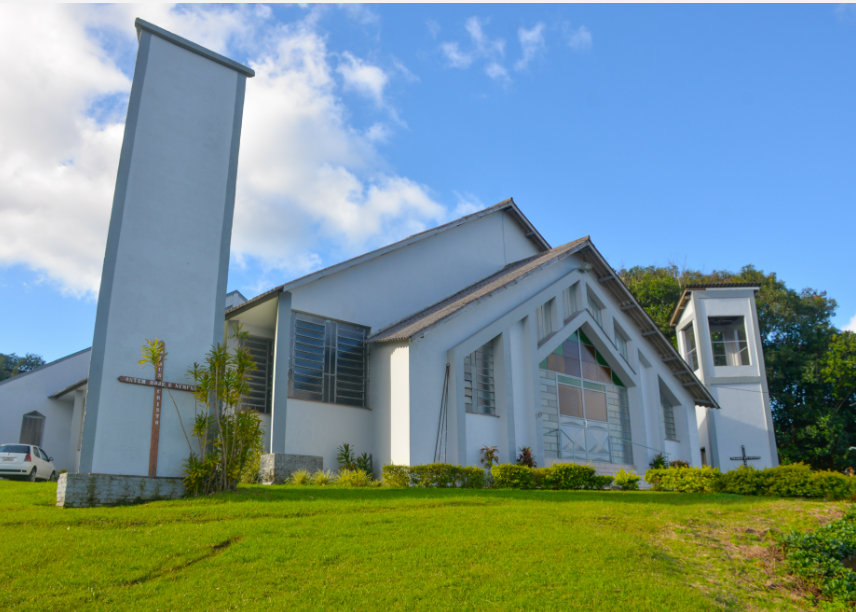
x=281 y=365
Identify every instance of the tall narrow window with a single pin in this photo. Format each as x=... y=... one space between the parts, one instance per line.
x=728 y=337
x=690 y=346
x=329 y=361
x=668 y=413
x=596 y=310
x=479 y=391
x=570 y=300
x=621 y=343
x=544 y=314
x=261 y=379
x=32 y=429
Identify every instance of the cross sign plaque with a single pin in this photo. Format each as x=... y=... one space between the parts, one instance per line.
x=743 y=457
x=159 y=385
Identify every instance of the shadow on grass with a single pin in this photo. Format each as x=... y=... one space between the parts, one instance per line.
x=281 y=493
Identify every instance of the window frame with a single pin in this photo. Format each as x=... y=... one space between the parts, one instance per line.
x=734 y=349
x=571 y=300
x=267 y=408
x=487 y=354
x=330 y=382
x=544 y=316
x=621 y=342
x=33 y=416
x=595 y=307
x=689 y=338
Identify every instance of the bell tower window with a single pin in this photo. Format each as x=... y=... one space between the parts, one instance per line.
x=728 y=338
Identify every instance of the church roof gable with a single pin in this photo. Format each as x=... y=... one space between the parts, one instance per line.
x=508 y=206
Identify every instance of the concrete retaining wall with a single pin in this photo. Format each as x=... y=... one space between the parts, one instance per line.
x=276 y=468
x=89 y=490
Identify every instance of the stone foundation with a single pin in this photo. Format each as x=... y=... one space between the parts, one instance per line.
x=90 y=490
x=276 y=468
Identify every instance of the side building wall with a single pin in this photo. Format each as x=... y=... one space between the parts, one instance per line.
x=30 y=392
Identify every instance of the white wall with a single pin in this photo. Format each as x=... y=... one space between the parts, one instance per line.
x=387 y=289
x=316 y=428
x=29 y=392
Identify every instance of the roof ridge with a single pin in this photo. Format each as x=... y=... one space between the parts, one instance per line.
x=42 y=367
x=472 y=289
x=499 y=206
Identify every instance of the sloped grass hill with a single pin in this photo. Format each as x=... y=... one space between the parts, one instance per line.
x=325 y=548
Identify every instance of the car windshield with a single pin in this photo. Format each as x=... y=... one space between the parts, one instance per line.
x=14 y=448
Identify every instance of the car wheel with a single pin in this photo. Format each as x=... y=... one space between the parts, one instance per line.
x=32 y=476
x=53 y=476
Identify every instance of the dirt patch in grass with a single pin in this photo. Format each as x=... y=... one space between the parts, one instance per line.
x=748 y=548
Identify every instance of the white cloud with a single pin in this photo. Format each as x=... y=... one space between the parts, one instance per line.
x=497 y=72
x=852 y=325
x=312 y=188
x=532 y=43
x=467 y=204
x=579 y=39
x=483 y=48
x=433 y=28
x=456 y=57
x=362 y=77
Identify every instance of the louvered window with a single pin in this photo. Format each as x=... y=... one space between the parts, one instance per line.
x=479 y=391
x=261 y=379
x=32 y=428
x=330 y=363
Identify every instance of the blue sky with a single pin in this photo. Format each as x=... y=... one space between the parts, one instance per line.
x=708 y=136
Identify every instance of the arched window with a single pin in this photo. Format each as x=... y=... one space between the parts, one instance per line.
x=32 y=428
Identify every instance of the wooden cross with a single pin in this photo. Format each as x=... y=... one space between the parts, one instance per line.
x=743 y=457
x=159 y=385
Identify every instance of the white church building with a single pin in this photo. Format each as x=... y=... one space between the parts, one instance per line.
x=475 y=333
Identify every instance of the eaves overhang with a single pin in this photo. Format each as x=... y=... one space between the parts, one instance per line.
x=688 y=290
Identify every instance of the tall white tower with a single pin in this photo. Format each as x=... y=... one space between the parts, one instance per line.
x=718 y=336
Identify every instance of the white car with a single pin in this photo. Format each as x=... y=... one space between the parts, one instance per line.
x=27 y=462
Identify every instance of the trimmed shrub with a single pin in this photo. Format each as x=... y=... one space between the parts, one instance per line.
x=508 y=476
x=788 y=481
x=541 y=478
x=686 y=480
x=832 y=485
x=796 y=480
x=627 y=481
x=743 y=481
x=397 y=476
x=572 y=476
x=434 y=475
x=471 y=477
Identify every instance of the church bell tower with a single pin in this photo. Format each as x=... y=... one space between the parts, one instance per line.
x=719 y=338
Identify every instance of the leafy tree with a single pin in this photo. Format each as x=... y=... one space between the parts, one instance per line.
x=810 y=364
x=12 y=365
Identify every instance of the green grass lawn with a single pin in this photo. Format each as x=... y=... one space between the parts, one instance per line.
x=325 y=548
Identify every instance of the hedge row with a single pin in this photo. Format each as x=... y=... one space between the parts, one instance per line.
x=797 y=480
x=433 y=475
x=559 y=476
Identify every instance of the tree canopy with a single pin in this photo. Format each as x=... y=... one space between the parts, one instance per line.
x=811 y=365
x=12 y=365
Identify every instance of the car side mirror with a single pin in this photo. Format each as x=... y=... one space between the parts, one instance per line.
x=50 y=458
